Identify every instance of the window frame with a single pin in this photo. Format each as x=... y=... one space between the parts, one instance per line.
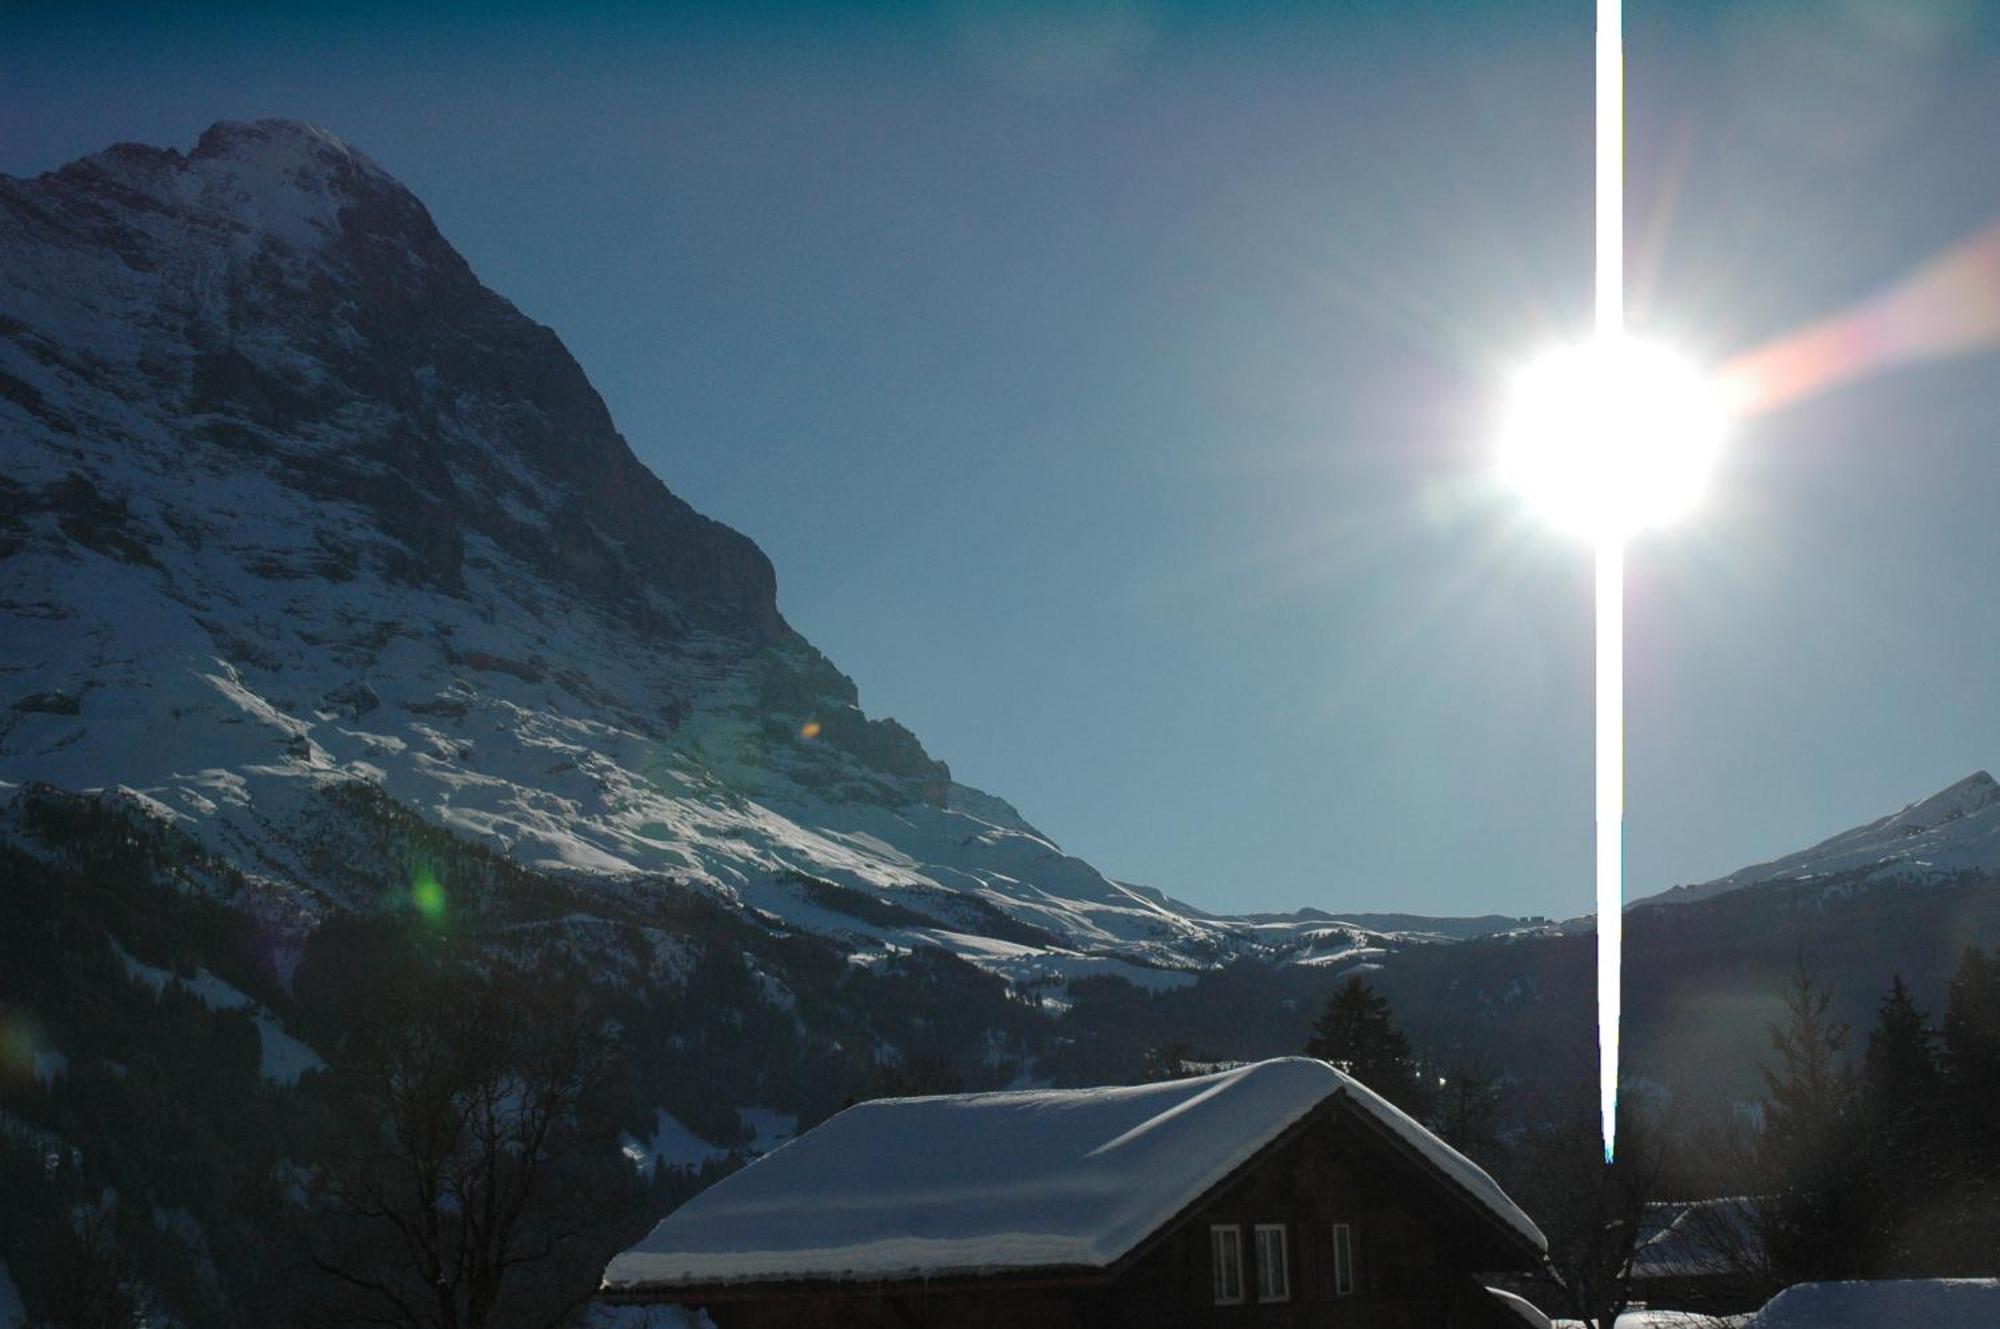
x=1284 y=1248
x=1217 y=1234
x=1345 y=1279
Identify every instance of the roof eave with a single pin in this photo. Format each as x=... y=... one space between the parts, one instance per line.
x=1023 y=1280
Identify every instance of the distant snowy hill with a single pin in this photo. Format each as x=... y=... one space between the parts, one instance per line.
x=1955 y=830
x=289 y=501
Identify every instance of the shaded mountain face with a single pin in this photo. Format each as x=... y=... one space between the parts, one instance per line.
x=290 y=502
x=277 y=303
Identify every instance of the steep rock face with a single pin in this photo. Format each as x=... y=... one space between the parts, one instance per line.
x=283 y=297
x=290 y=502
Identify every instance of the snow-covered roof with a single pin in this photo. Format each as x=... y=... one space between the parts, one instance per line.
x=1705 y=1237
x=969 y=1184
x=1527 y=1312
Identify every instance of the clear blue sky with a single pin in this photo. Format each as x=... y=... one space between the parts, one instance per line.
x=1111 y=384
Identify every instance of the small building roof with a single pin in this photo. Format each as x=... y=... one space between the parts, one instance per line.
x=1702 y=1238
x=973 y=1184
x=1527 y=1312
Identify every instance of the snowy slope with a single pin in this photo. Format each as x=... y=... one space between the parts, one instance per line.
x=978 y=1183
x=290 y=502
x=1955 y=830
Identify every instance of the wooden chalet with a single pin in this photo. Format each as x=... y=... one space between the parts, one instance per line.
x=1280 y=1193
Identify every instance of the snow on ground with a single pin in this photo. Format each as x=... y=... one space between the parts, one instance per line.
x=1006 y=1180
x=1031 y=965
x=598 y=1315
x=282 y=1058
x=671 y=1144
x=770 y=1129
x=1351 y=954
x=1933 y=1303
x=674 y=1145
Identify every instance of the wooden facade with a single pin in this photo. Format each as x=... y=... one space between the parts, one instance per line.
x=1416 y=1244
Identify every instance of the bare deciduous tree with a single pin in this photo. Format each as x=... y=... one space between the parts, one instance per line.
x=1591 y=1211
x=470 y=1167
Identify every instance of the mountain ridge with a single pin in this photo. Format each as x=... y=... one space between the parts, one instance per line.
x=290 y=500
x=1955 y=830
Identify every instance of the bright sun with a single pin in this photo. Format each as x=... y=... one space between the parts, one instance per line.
x=1611 y=436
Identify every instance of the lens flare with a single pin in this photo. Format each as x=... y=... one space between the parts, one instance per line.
x=1610 y=828
x=1606 y=439
x=809 y=730
x=1610 y=310
x=1949 y=306
x=427 y=895
x=21 y=1042
x=1611 y=436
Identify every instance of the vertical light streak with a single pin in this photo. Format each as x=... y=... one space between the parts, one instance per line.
x=1610 y=326
x=1610 y=168
x=1610 y=822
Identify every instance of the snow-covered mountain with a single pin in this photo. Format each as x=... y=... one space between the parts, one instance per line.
x=290 y=502
x=1953 y=831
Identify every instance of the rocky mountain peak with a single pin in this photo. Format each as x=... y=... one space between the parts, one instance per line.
x=274 y=300
x=285 y=145
x=1974 y=793
x=1953 y=831
x=303 y=527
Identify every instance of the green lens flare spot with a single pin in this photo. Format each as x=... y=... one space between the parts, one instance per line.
x=427 y=895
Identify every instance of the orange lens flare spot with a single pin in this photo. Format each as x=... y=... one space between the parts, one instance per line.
x=810 y=729
x=1949 y=306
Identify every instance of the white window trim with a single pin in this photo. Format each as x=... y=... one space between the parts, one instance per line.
x=1344 y=1281
x=1284 y=1292
x=1234 y=1232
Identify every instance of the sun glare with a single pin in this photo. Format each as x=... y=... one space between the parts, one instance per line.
x=1611 y=436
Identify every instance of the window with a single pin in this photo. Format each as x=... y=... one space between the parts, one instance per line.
x=1343 y=1260
x=1274 y=1277
x=1225 y=1247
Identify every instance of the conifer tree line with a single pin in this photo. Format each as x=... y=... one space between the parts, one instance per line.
x=1357 y=1033
x=1883 y=1161
x=515 y=1055
x=1879 y=1160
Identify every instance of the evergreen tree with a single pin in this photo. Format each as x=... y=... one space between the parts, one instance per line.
x=1818 y=1222
x=1968 y=1216
x=1170 y=1061
x=1467 y=1113
x=1972 y=1038
x=1900 y=1073
x=1355 y=1033
x=1902 y=1115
